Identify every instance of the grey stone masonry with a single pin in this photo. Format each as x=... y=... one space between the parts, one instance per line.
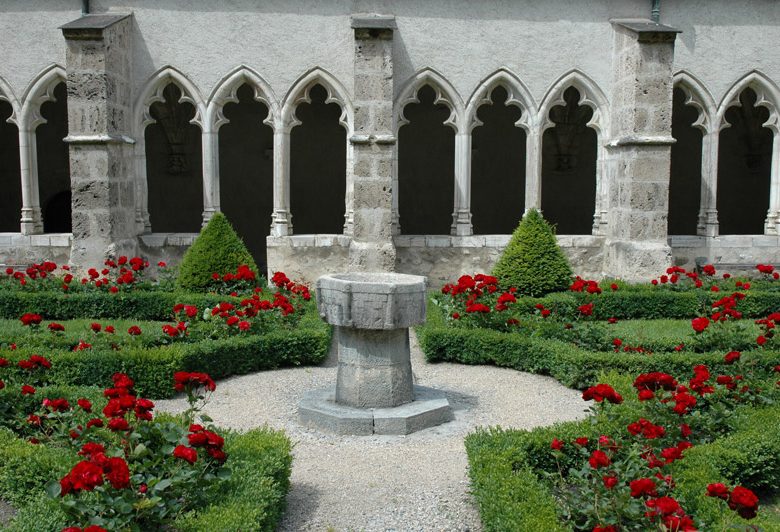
x=373 y=146
x=640 y=149
x=99 y=70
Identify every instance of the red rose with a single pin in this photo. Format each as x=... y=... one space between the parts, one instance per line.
x=134 y=330
x=556 y=444
x=664 y=505
x=582 y=442
x=744 y=502
x=96 y=422
x=117 y=424
x=109 y=329
x=643 y=487
x=117 y=473
x=610 y=481
x=27 y=390
x=84 y=476
x=761 y=340
x=186 y=453
x=600 y=392
x=586 y=310
x=85 y=405
x=699 y=324
x=599 y=459
x=183 y=379
x=95 y=327
x=718 y=490
x=606 y=528
x=731 y=357
x=56 y=327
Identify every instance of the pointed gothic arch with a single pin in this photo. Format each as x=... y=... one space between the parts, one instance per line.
x=431 y=181
x=590 y=181
x=691 y=178
x=241 y=182
x=445 y=93
x=10 y=172
x=40 y=91
x=500 y=151
x=754 y=183
x=225 y=92
x=151 y=93
x=315 y=154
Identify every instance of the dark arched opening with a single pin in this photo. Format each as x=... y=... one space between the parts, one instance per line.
x=54 y=163
x=426 y=168
x=174 y=170
x=685 y=172
x=11 y=198
x=744 y=166
x=246 y=171
x=569 y=155
x=497 y=167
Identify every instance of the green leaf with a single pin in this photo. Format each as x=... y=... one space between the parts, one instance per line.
x=224 y=473
x=140 y=450
x=53 y=489
x=164 y=483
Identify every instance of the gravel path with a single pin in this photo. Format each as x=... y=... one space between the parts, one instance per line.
x=388 y=483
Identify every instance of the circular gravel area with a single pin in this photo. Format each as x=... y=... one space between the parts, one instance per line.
x=388 y=483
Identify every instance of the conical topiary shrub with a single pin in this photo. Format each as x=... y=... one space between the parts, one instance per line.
x=217 y=249
x=532 y=261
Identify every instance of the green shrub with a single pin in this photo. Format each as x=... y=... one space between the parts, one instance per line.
x=507 y=468
x=217 y=249
x=532 y=261
x=254 y=496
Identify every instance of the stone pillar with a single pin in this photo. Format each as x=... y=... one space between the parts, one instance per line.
x=281 y=219
x=533 y=168
x=461 y=217
x=98 y=63
x=772 y=223
x=640 y=150
x=707 y=224
x=373 y=146
x=32 y=221
x=210 y=140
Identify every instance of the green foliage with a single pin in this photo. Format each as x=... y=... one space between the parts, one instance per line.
x=139 y=305
x=508 y=468
x=26 y=468
x=532 y=261
x=217 y=249
x=253 y=498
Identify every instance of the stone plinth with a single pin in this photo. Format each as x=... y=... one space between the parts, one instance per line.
x=374 y=394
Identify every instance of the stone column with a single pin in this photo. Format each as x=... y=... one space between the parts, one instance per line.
x=772 y=223
x=373 y=145
x=281 y=219
x=640 y=150
x=461 y=217
x=707 y=224
x=32 y=221
x=98 y=63
x=211 y=199
x=533 y=168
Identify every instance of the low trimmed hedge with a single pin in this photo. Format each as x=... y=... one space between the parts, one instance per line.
x=253 y=498
x=150 y=305
x=505 y=467
x=153 y=368
x=572 y=366
x=648 y=303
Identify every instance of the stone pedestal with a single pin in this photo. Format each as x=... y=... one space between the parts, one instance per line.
x=374 y=390
x=640 y=152
x=99 y=70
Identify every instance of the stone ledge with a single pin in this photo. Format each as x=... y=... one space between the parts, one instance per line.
x=372 y=21
x=318 y=241
x=90 y=27
x=647 y=31
x=158 y=240
x=49 y=240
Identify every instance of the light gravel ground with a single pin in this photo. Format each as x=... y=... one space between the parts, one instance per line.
x=388 y=483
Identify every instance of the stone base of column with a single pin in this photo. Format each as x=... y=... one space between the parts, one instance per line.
x=631 y=261
x=372 y=256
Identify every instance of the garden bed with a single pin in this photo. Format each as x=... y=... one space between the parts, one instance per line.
x=536 y=481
